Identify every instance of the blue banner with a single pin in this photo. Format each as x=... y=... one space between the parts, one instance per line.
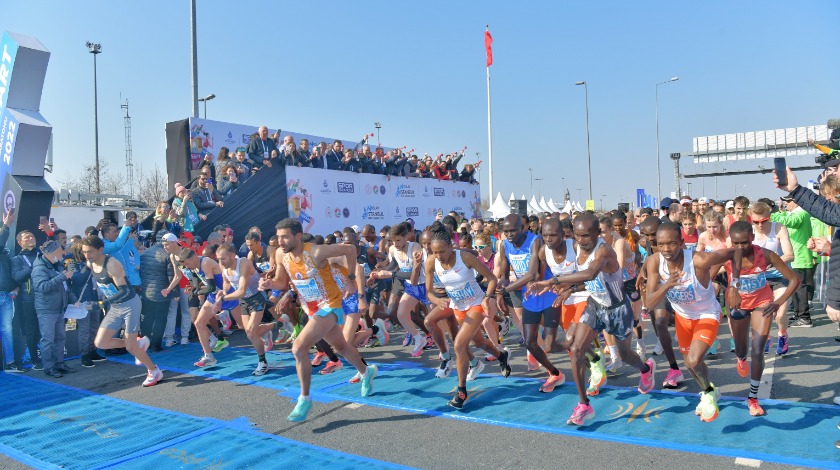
x=8 y=134
x=8 y=52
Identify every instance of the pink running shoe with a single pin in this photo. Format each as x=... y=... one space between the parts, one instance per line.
x=672 y=380
x=646 y=381
x=331 y=367
x=580 y=414
x=318 y=359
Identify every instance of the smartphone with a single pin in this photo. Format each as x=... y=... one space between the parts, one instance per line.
x=209 y=180
x=43 y=220
x=52 y=220
x=781 y=170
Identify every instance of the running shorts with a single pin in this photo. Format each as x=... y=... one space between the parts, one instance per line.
x=549 y=317
x=616 y=320
x=571 y=314
x=631 y=291
x=688 y=331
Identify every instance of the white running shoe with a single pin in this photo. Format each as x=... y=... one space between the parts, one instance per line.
x=185 y=341
x=445 y=368
x=658 y=349
x=262 y=368
x=224 y=319
x=268 y=340
x=474 y=371
x=143 y=343
x=419 y=343
x=505 y=327
x=153 y=377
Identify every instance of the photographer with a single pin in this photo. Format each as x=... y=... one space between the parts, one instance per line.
x=827 y=210
x=205 y=195
x=228 y=182
x=49 y=282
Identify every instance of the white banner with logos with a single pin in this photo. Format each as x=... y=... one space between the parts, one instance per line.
x=328 y=200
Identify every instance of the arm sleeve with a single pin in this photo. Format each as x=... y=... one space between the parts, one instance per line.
x=207 y=288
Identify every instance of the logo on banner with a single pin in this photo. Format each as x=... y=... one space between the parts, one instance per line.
x=372 y=212
x=433 y=211
x=325 y=188
x=246 y=139
x=458 y=209
x=412 y=212
x=382 y=189
x=404 y=190
x=425 y=191
x=439 y=192
x=397 y=213
x=328 y=212
x=230 y=139
x=8 y=201
x=344 y=187
x=346 y=213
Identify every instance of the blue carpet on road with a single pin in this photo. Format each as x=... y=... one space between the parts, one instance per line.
x=660 y=419
x=47 y=425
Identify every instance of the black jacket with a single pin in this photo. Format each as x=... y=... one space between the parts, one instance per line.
x=255 y=150
x=333 y=159
x=155 y=273
x=21 y=271
x=50 y=286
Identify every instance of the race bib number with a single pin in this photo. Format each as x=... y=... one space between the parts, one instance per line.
x=595 y=286
x=264 y=267
x=308 y=289
x=520 y=263
x=461 y=294
x=682 y=295
x=752 y=283
x=108 y=290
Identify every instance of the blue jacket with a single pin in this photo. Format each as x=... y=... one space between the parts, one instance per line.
x=124 y=250
x=50 y=286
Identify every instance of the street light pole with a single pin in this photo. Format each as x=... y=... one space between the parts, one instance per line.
x=532 y=180
x=539 y=187
x=205 y=100
x=95 y=49
x=378 y=126
x=658 y=171
x=588 y=154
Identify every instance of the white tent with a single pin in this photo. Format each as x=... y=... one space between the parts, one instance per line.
x=568 y=208
x=512 y=197
x=499 y=208
x=545 y=206
x=578 y=208
x=553 y=206
x=533 y=206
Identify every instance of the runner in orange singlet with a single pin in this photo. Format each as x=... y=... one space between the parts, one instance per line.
x=306 y=267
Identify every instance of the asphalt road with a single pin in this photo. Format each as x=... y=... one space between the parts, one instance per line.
x=809 y=373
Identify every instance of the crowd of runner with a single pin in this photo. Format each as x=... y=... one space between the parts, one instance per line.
x=583 y=285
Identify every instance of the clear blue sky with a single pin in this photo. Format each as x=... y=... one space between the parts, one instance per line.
x=333 y=68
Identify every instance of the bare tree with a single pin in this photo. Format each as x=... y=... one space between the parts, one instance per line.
x=152 y=186
x=151 y=183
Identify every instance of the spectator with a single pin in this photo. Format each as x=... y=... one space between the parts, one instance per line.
x=120 y=245
x=351 y=162
x=304 y=153
x=222 y=160
x=176 y=292
x=208 y=166
x=83 y=293
x=333 y=157
x=262 y=149
x=184 y=209
x=798 y=222
x=156 y=272
x=49 y=282
x=162 y=219
x=25 y=308
x=228 y=182
x=11 y=355
x=205 y=196
x=316 y=159
x=468 y=174
x=243 y=166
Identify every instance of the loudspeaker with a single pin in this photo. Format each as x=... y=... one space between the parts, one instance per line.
x=23 y=67
x=31 y=197
x=519 y=206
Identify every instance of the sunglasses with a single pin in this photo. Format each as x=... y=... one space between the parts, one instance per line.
x=759 y=222
x=481 y=247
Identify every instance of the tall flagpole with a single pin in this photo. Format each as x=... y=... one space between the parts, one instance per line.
x=489 y=127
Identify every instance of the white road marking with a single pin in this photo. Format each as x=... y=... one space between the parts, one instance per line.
x=354 y=406
x=748 y=462
x=137 y=376
x=767 y=378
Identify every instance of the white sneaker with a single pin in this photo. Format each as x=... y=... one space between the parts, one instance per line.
x=837 y=400
x=262 y=368
x=185 y=341
x=153 y=377
x=169 y=343
x=445 y=368
x=143 y=343
x=614 y=365
x=474 y=371
x=658 y=349
x=224 y=319
x=419 y=344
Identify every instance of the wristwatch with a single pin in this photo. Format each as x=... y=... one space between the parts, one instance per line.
x=351 y=276
x=736 y=282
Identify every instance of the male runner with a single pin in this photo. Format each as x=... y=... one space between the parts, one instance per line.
x=683 y=276
x=306 y=267
x=757 y=304
x=515 y=252
x=241 y=282
x=608 y=309
x=124 y=310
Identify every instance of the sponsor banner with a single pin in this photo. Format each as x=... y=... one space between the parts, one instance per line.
x=326 y=200
x=8 y=134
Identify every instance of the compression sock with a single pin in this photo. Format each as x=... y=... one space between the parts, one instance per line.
x=613 y=351
x=374 y=329
x=645 y=368
x=262 y=358
x=674 y=366
x=754 y=388
x=474 y=362
x=324 y=347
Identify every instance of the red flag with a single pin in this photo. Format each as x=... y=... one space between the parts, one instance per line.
x=488 y=44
